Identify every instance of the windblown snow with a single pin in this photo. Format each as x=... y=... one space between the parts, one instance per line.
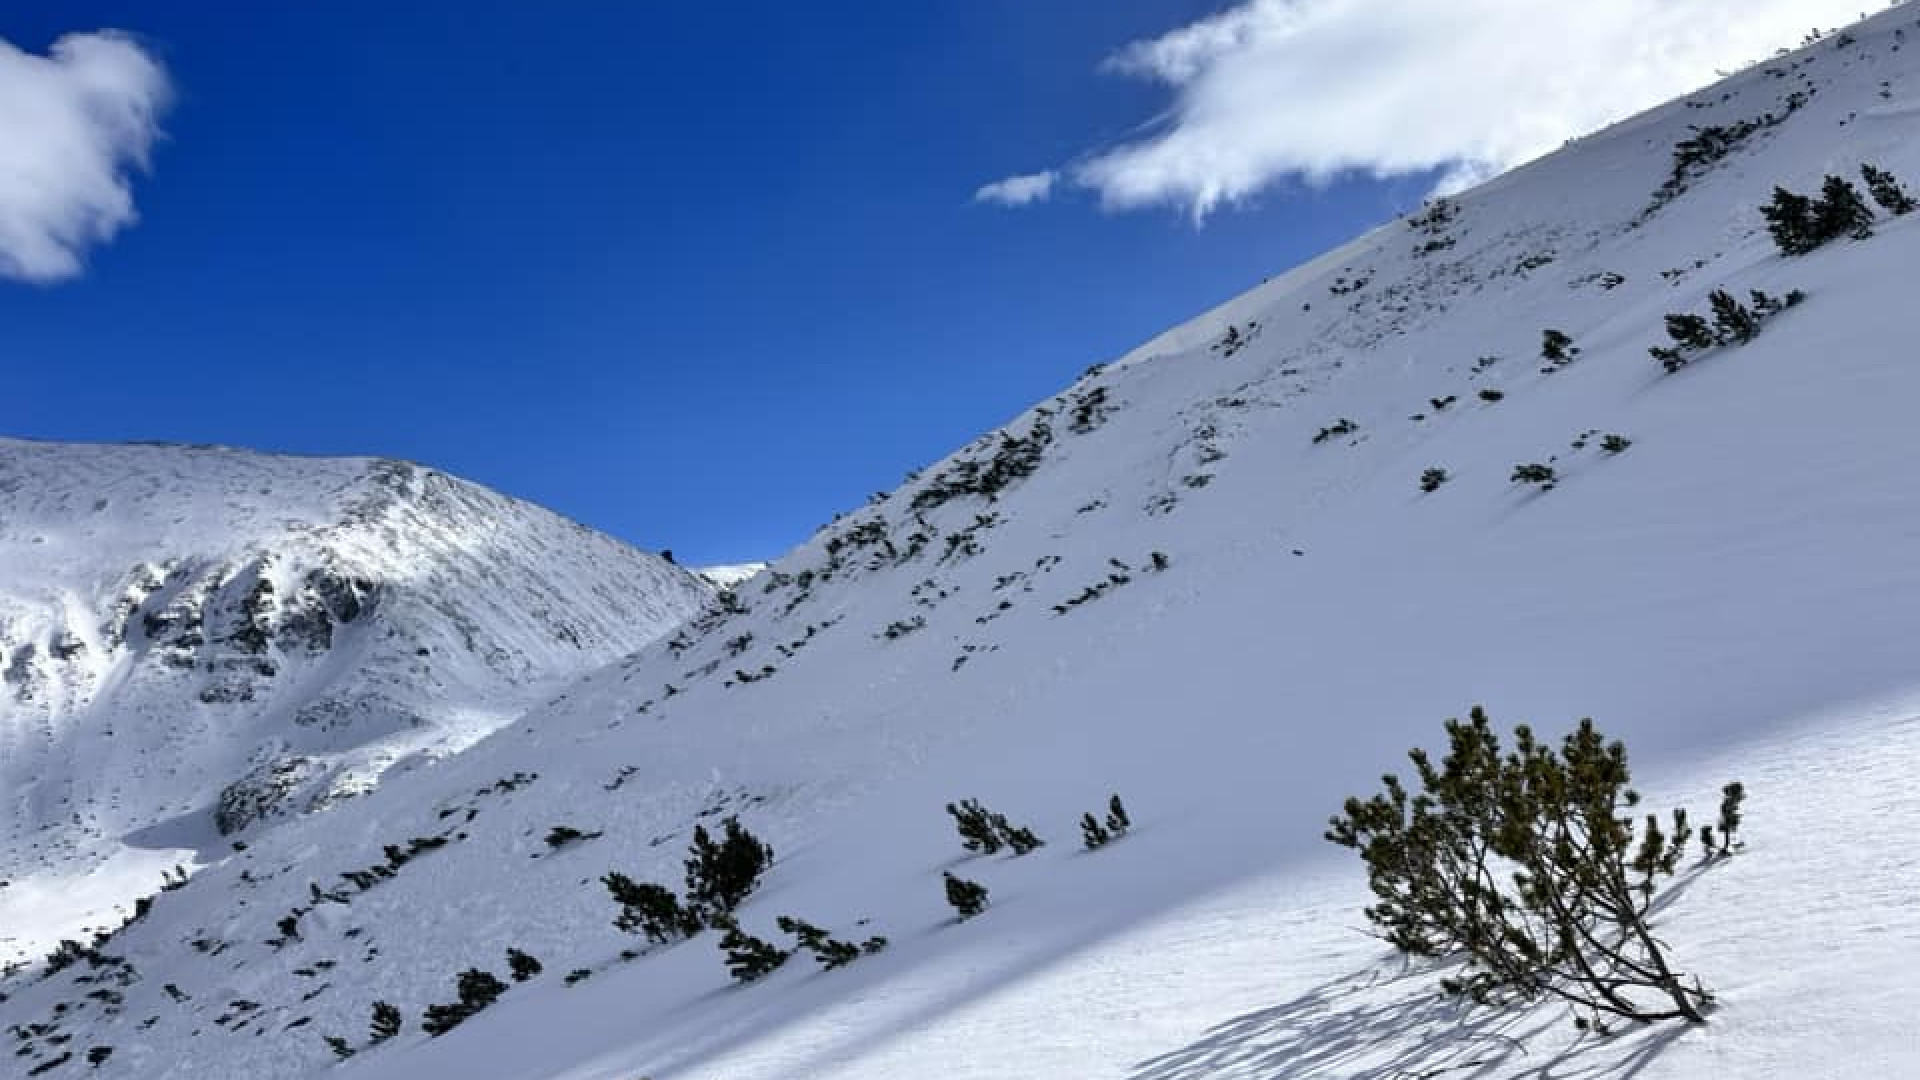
x=1205 y=576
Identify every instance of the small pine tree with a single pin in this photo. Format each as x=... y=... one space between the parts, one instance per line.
x=1117 y=820
x=1731 y=798
x=1530 y=862
x=1841 y=211
x=1021 y=839
x=1557 y=348
x=1490 y=396
x=1733 y=324
x=1535 y=473
x=986 y=832
x=1690 y=331
x=1431 y=479
x=969 y=898
x=722 y=874
x=748 y=957
x=477 y=989
x=1887 y=191
x=976 y=827
x=1615 y=444
x=653 y=910
x=385 y=1024
x=1793 y=222
x=522 y=966
x=340 y=1047
x=1093 y=834
x=829 y=952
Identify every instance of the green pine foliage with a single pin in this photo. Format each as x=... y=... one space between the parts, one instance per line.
x=1093 y=834
x=828 y=951
x=1886 y=191
x=1531 y=863
x=653 y=910
x=1733 y=323
x=748 y=958
x=340 y=1047
x=1535 y=473
x=969 y=898
x=1800 y=224
x=385 y=1023
x=1431 y=479
x=477 y=989
x=984 y=832
x=522 y=966
x=1557 y=349
x=722 y=873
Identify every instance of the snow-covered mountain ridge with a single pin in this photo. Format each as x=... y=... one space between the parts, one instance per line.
x=1206 y=576
x=195 y=641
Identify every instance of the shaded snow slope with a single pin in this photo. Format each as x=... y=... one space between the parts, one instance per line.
x=1167 y=581
x=196 y=640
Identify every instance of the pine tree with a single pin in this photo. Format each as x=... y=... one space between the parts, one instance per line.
x=1532 y=864
x=976 y=827
x=829 y=952
x=1793 y=222
x=653 y=910
x=340 y=1047
x=748 y=957
x=1117 y=820
x=1431 y=479
x=969 y=898
x=1093 y=834
x=1733 y=323
x=522 y=966
x=1557 y=348
x=385 y=1024
x=722 y=874
x=477 y=989
x=1887 y=191
x=1841 y=212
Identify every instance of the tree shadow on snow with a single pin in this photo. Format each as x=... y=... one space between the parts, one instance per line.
x=1392 y=1022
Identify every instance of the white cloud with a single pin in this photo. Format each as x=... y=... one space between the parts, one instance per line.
x=1018 y=190
x=1273 y=89
x=73 y=125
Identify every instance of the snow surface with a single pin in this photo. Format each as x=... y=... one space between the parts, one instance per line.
x=179 y=624
x=1735 y=595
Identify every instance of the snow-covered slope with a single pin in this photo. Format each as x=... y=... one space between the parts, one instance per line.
x=1187 y=580
x=197 y=641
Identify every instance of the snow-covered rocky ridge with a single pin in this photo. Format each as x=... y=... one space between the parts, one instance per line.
x=1206 y=576
x=196 y=642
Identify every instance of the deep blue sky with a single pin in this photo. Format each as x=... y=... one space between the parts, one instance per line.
x=700 y=275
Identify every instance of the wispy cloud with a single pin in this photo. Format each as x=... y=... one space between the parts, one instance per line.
x=1273 y=89
x=74 y=124
x=1018 y=190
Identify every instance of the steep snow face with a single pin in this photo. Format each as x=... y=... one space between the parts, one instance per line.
x=196 y=640
x=1206 y=576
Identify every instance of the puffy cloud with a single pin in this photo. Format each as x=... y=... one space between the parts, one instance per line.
x=1272 y=89
x=74 y=125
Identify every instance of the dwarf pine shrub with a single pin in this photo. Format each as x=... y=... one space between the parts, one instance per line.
x=721 y=873
x=1533 y=865
x=653 y=910
x=969 y=898
x=1886 y=191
